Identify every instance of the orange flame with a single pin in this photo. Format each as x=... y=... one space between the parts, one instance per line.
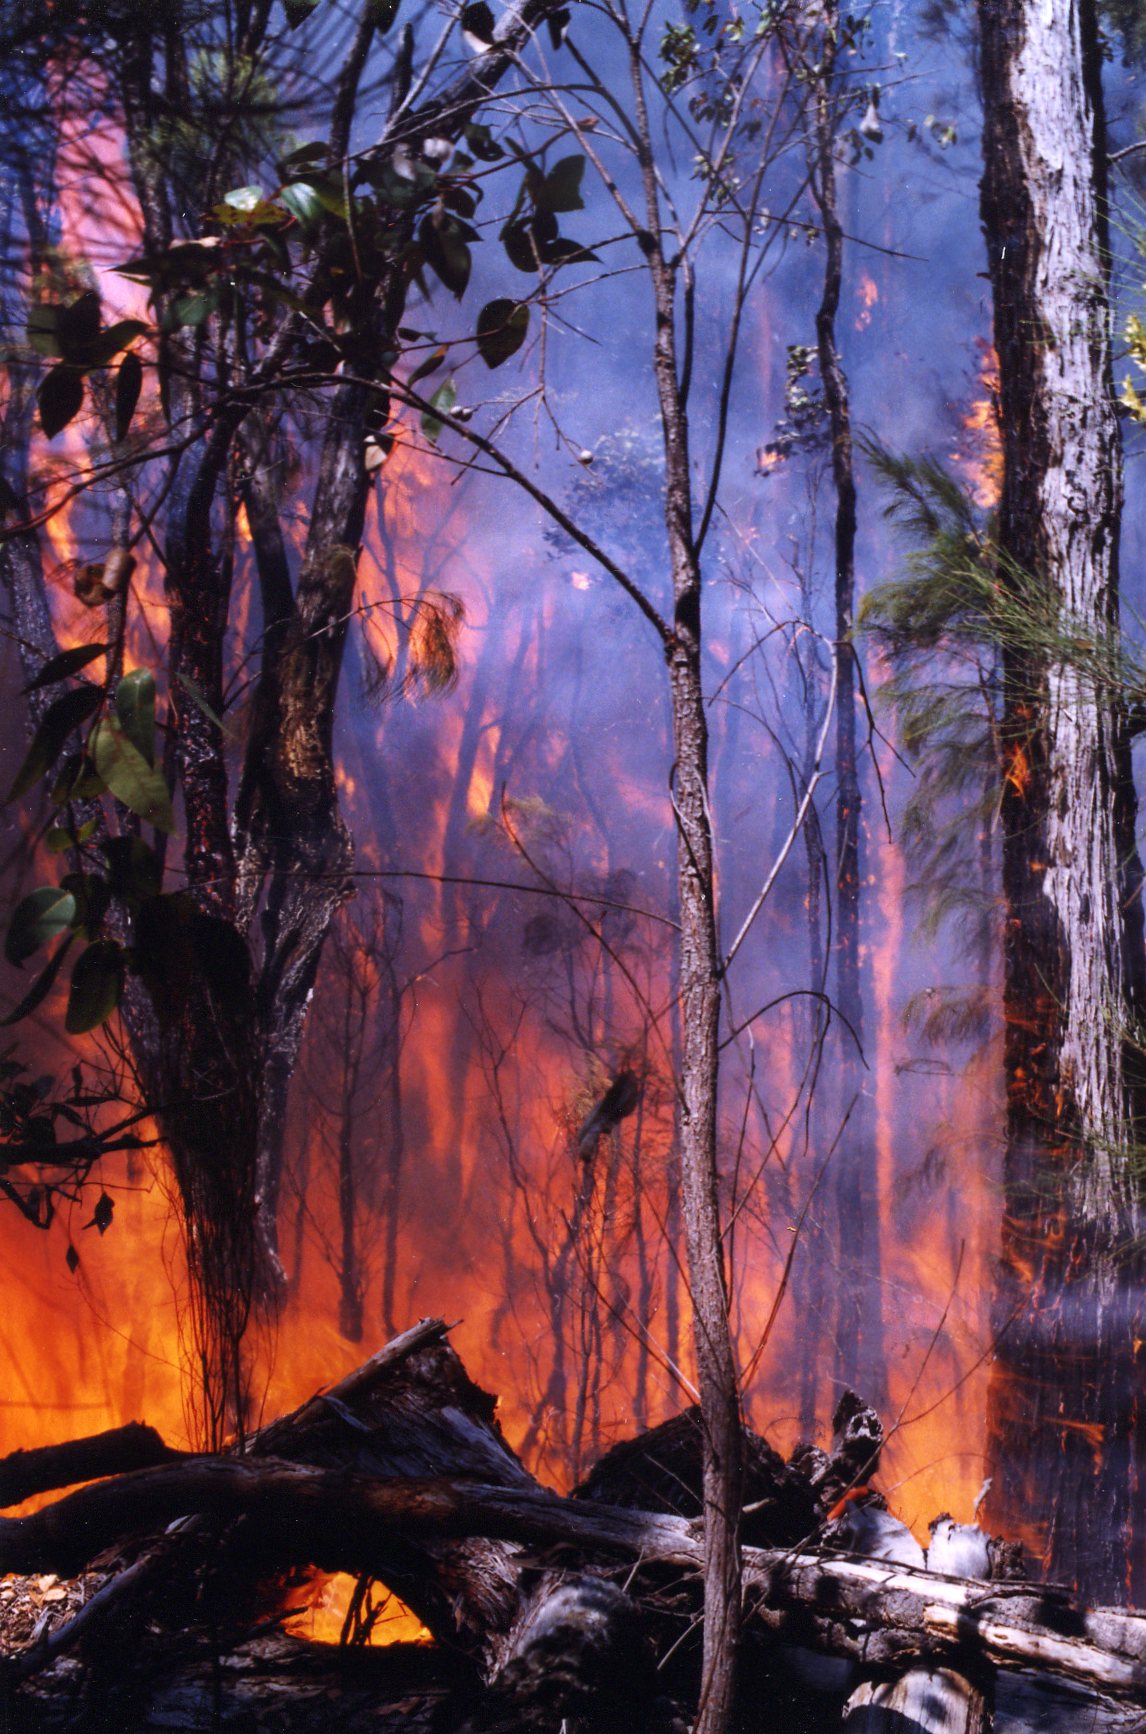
x=980 y=455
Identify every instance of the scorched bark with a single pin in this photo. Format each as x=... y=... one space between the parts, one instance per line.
x=1066 y=1442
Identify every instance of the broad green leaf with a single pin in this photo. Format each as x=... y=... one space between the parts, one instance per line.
x=446 y=251
x=193 y=309
x=60 y=397
x=302 y=201
x=444 y=398
x=135 y=710
x=315 y=152
x=67 y=662
x=43 y=330
x=501 y=330
x=244 y=198
x=59 y=838
x=483 y=144
x=93 y=900
x=77 y=781
x=561 y=188
x=78 y=326
x=38 y=919
x=96 y=986
x=109 y=343
x=134 y=868
x=517 y=239
x=128 y=384
x=62 y=716
x=562 y=251
x=128 y=775
x=41 y=987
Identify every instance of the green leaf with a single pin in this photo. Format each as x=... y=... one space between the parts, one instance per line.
x=302 y=201
x=129 y=776
x=93 y=900
x=128 y=384
x=135 y=709
x=430 y=365
x=36 y=920
x=303 y=157
x=109 y=343
x=193 y=309
x=67 y=662
x=77 y=781
x=41 y=987
x=501 y=330
x=60 y=397
x=62 y=716
x=446 y=252
x=461 y=200
x=59 y=838
x=562 y=251
x=245 y=199
x=96 y=986
x=483 y=144
x=561 y=188
x=444 y=398
x=136 y=872
x=517 y=239
x=43 y=330
x=78 y=326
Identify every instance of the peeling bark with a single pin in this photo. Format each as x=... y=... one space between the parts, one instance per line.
x=1066 y=1439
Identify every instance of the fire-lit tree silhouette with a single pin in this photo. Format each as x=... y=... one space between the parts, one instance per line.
x=195 y=102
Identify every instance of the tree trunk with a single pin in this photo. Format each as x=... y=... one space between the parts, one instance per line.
x=1065 y=1437
x=859 y=1351
x=699 y=1011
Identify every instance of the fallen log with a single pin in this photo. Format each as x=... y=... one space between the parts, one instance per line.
x=881 y=1614
x=924 y=1701
x=400 y=1475
x=50 y=1467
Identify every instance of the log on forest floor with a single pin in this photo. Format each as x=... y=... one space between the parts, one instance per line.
x=541 y=1606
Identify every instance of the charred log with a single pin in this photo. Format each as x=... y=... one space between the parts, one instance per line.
x=135 y=1446
x=661 y=1471
x=542 y=1606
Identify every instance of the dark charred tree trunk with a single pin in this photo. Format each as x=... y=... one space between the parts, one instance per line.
x=217 y=1066
x=859 y=1346
x=1066 y=1436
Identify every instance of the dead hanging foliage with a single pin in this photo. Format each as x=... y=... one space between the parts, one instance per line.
x=423 y=660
